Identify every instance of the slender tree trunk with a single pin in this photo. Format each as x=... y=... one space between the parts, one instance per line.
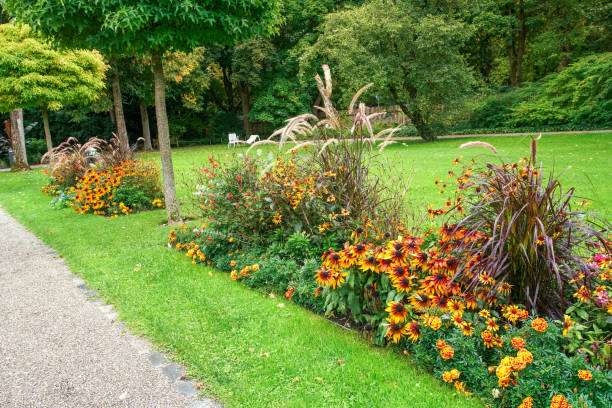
x=229 y=88
x=146 y=132
x=118 y=102
x=20 y=159
x=111 y=113
x=163 y=133
x=245 y=102
x=516 y=44
x=45 y=115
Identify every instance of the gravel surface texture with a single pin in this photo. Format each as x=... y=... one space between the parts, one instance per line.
x=59 y=349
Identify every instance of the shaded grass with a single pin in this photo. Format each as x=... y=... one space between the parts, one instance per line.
x=245 y=348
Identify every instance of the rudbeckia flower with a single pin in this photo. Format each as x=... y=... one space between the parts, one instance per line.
x=397 y=311
x=398 y=271
x=395 y=331
x=455 y=306
x=492 y=324
x=402 y=284
x=414 y=331
x=324 y=277
x=420 y=301
x=368 y=263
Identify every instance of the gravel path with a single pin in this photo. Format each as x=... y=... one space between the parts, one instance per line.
x=59 y=349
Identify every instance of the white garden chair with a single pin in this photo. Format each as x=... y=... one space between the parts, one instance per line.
x=233 y=140
x=252 y=139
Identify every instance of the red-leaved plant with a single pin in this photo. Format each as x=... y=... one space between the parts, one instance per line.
x=525 y=233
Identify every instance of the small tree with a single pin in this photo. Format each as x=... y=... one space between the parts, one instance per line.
x=412 y=58
x=32 y=74
x=150 y=27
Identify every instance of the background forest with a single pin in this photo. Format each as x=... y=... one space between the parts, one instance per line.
x=449 y=66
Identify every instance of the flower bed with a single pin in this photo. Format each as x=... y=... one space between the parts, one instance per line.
x=114 y=185
x=507 y=301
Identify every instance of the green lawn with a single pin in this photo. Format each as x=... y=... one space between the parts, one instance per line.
x=589 y=155
x=240 y=343
x=247 y=349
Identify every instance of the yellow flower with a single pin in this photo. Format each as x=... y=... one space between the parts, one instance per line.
x=585 y=375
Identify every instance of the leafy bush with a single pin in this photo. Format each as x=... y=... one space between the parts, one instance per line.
x=35 y=149
x=580 y=96
x=258 y=269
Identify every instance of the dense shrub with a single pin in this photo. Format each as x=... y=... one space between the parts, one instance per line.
x=276 y=269
x=580 y=96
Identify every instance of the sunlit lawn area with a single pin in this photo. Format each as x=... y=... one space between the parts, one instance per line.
x=246 y=348
x=588 y=155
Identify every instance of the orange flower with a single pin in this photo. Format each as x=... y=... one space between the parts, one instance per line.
x=585 y=375
x=518 y=343
x=527 y=403
x=559 y=401
x=539 y=324
x=447 y=352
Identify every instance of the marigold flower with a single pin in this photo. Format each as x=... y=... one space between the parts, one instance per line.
x=232 y=263
x=433 y=322
x=447 y=352
x=527 y=403
x=585 y=375
x=539 y=324
x=559 y=401
x=487 y=338
x=518 y=342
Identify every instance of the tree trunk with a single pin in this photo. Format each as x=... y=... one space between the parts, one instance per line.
x=229 y=88
x=163 y=133
x=111 y=113
x=245 y=102
x=146 y=132
x=20 y=159
x=414 y=114
x=516 y=44
x=45 y=115
x=118 y=102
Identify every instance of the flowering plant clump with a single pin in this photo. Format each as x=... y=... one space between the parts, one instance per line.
x=481 y=301
x=402 y=292
x=588 y=323
x=122 y=189
x=533 y=239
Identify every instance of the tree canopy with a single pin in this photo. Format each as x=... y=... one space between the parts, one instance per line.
x=413 y=59
x=33 y=74
x=138 y=26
